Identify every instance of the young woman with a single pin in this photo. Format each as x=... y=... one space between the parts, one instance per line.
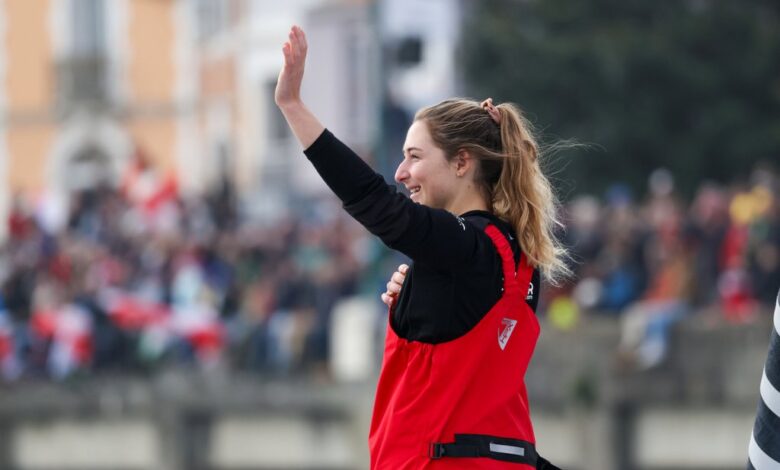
x=462 y=328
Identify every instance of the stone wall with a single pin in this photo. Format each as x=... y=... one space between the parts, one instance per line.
x=695 y=411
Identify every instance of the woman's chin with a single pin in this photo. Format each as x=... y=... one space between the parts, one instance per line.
x=419 y=199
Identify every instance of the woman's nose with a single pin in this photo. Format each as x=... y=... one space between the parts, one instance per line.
x=401 y=173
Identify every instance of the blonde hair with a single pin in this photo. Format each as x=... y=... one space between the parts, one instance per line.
x=509 y=173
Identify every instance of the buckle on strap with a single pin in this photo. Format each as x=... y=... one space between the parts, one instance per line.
x=492 y=447
x=438 y=450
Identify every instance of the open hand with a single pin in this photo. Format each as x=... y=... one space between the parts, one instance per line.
x=288 y=87
x=394 y=285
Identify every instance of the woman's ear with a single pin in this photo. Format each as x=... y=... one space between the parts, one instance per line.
x=463 y=162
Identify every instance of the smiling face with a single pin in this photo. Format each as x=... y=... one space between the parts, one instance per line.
x=425 y=171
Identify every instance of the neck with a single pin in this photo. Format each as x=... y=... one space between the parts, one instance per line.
x=468 y=201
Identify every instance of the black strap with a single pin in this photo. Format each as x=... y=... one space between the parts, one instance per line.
x=478 y=445
x=544 y=464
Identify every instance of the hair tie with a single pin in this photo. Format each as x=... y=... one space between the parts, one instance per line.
x=494 y=113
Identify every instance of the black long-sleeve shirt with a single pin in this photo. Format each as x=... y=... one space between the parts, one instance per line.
x=456 y=273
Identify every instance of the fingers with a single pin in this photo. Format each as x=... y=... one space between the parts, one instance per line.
x=394 y=285
x=300 y=37
x=293 y=47
x=388 y=299
x=304 y=41
x=288 y=86
x=398 y=279
x=298 y=45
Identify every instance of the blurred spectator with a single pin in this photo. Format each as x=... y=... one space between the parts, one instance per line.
x=655 y=262
x=668 y=296
x=141 y=277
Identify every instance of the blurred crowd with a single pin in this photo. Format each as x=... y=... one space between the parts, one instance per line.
x=136 y=278
x=656 y=261
x=139 y=278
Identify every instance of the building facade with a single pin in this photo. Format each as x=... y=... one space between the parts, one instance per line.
x=87 y=86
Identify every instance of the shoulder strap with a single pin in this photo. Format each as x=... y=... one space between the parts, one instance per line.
x=512 y=282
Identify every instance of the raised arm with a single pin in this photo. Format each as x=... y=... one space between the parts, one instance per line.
x=302 y=121
x=423 y=234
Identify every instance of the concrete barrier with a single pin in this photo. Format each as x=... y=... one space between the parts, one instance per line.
x=589 y=413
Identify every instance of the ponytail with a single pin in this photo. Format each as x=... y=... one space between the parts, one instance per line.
x=523 y=196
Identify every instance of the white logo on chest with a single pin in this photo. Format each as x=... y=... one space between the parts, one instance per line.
x=503 y=334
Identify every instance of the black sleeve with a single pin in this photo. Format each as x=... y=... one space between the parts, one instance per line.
x=426 y=235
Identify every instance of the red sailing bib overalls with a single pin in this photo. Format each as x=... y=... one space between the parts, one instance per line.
x=462 y=403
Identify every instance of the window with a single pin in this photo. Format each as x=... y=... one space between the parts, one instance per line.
x=213 y=18
x=89 y=31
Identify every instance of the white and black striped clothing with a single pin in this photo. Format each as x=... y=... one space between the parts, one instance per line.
x=764 y=448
